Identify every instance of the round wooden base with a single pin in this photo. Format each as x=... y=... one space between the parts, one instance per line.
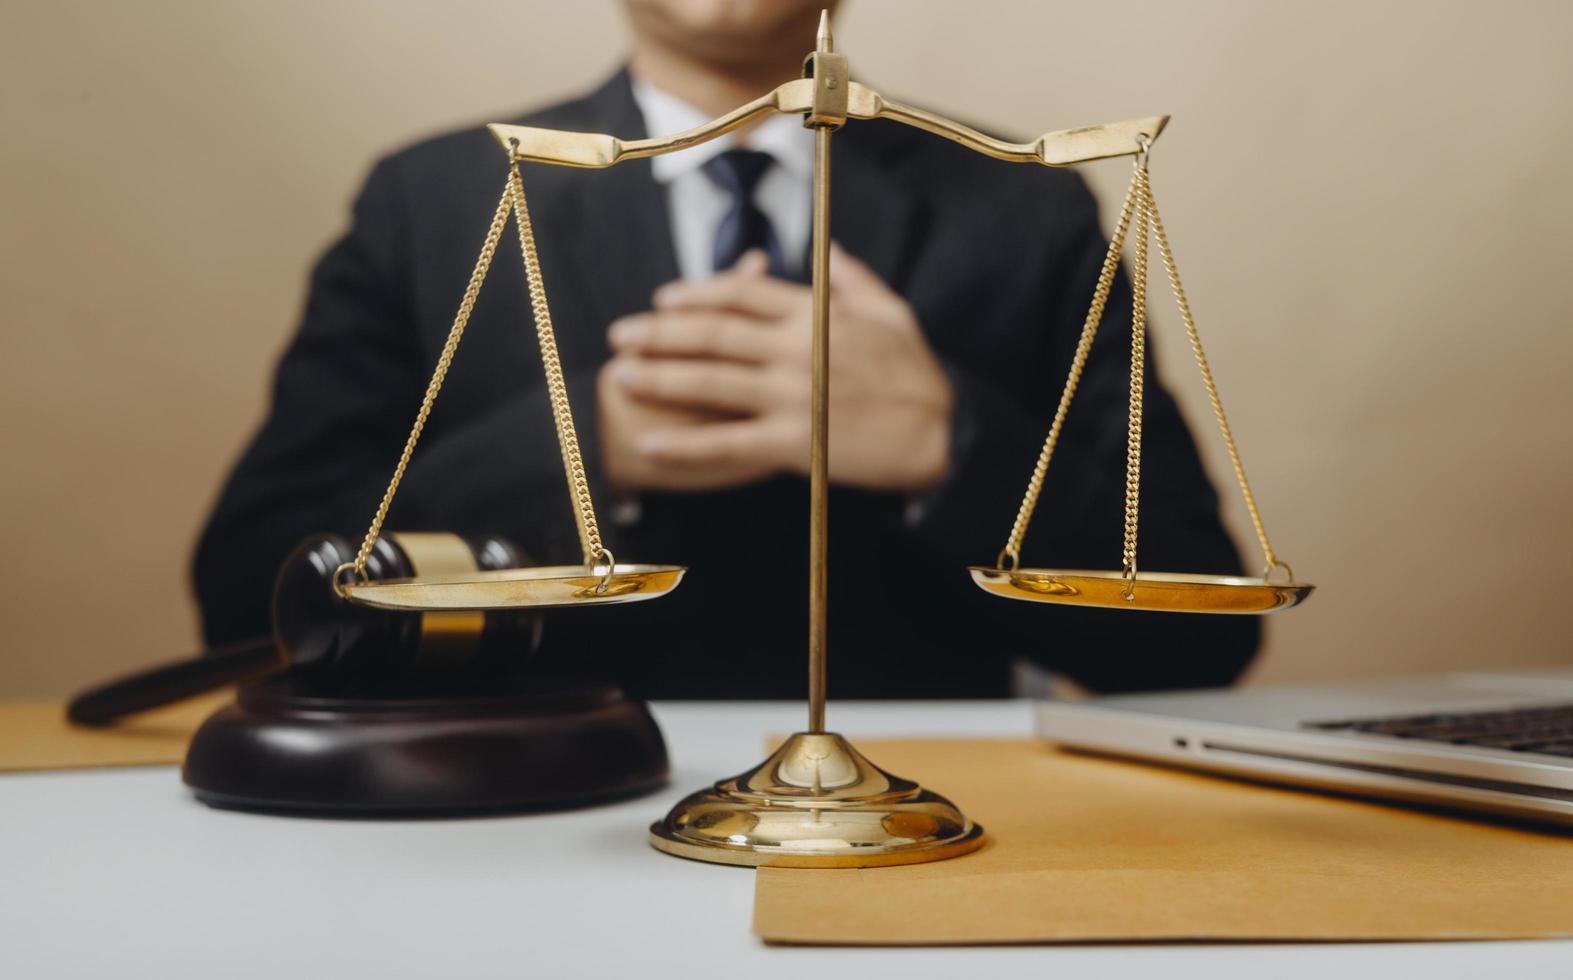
x=557 y=744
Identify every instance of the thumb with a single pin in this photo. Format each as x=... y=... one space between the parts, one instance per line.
x=857 y=285
x=848 y=272
x=753 y=262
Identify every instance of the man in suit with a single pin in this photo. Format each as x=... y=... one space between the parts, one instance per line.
x=959 y=285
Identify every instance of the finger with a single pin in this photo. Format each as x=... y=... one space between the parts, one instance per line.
x=754 y=294
x=741 y=445
x=754 y=261
x=713 y=385
x=693 y=333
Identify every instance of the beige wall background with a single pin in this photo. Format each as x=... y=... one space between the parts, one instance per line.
x=1365 y=199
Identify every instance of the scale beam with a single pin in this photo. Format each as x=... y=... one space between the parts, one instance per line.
x=1062 y=148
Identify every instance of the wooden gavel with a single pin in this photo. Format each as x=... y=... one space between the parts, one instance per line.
x=334 y=643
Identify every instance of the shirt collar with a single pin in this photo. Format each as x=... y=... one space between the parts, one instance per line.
x=781 y=136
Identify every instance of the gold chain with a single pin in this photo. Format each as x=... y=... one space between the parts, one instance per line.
x=1133 y=423
x=573 y=462
x=1089 y=330
x=1271 y=559
x=556 y=387
x=1138 y=198
x=444 y=360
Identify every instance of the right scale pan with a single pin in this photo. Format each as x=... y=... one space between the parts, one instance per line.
x=1152 y=591
x=1127 y=588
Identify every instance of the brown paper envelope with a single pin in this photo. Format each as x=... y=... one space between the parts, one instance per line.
x=36 y=735
x=1082 y=848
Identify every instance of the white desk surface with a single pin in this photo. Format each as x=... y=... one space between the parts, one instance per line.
x=117 y=873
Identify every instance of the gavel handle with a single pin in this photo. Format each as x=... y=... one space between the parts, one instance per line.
x=176 y=681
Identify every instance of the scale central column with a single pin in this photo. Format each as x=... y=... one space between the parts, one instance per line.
x=816 y=802
x=819 y=441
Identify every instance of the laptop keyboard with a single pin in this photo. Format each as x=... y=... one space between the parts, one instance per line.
x=1544 y=730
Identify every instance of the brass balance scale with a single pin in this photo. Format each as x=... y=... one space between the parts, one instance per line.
x=816 y=801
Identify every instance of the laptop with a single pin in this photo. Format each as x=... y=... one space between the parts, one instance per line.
x=1491 y=742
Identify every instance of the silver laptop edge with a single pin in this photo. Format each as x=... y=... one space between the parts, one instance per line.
x=1258 y=733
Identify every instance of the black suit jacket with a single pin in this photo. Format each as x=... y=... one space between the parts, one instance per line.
x=998 y=262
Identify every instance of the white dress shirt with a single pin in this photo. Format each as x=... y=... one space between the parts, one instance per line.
x=697 y=204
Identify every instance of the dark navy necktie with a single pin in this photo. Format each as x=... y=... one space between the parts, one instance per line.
x=744 y=226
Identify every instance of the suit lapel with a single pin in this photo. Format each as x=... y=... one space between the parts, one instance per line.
x=622 y=236
x=873 y=214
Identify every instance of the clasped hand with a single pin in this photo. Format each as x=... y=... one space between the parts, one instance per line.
x=712 y=387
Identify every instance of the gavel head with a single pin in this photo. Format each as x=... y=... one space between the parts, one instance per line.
x=338 y=643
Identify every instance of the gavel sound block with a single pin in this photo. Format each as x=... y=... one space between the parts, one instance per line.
x=556 y=743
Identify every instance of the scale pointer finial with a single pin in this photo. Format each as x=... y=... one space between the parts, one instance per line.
x=824 y=41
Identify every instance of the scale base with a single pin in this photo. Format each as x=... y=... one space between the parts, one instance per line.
x=816 y=803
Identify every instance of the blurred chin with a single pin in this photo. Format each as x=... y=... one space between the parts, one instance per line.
x=715 y=27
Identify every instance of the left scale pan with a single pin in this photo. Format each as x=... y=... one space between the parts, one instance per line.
x=600 y=580
x=518 y=588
